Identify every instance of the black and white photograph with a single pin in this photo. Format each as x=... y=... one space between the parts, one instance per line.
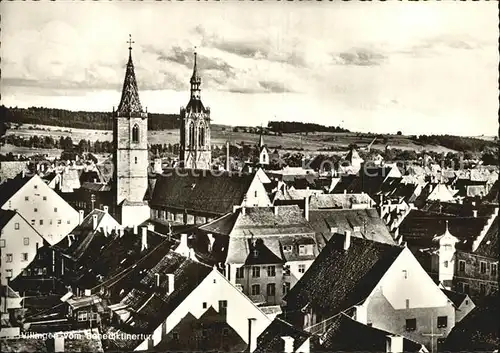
x=249 y=176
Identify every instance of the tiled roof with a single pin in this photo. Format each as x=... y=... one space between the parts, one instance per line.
x=419 y=227
x=370 y=224
x=457 y=209
x=105 y=171
x=338 y=200
x=5 y=217
x=493 y=195
x=489 y=245
x=129 y=102
x=478 y=331
x=84 y=234
x=151 y=304
x=10 y=292
x=106 y=257
x=35 y=345
x=270 y=340
x=10 y=169
x=203 y=193
x=339 y=279
x=456 y=297
x=10 y=187
x=347 y=335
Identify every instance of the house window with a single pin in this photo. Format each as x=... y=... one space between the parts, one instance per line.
x=35 y=209
x=302 y=268
x=204 y=333
x=222 y=305
x=33 y=222
x=55 y=209
x=135 y=160
x=494 y=269
x=271 y=289
x=240 y=272
x=41 y=222
x=482 y=288
x=483 y=267
x=69 y=222
x=175 y=336
x=256 y=271
x=225 y=332
x=411 y=324
x=82 y=316
x=8 y=273
x=286 y=270
x=461 y=265
x=59 y=221
x=445 y=264
x=287 y=248
x=204 y=305
x=44 y=271
x=302 y=250
x=407 y=303
x=26 y=198
x=45 y=198
x=255 y=193
x=8 y=257
x=271 y=271
x=16 y=226
x=2 y=243
x=255 y=289
x=35 y=186
x=286 y=287
x=255 y=253
x=466 y=288
x=25 y=256
x=442 y=321
x=26 y=241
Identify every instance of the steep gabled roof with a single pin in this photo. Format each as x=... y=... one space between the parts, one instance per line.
x=419 y=227
x=339 y=279
x=10 y=187
x=346 y=334
x=270 y=340
x=5 y=217
x=456 y=298
x=150 y=304
x=478 y=331
x=369 y=222
x=489 y=245
x=200 y=191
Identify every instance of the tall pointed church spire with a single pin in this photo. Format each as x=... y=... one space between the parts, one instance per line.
x=130 y=102
x=195 y=78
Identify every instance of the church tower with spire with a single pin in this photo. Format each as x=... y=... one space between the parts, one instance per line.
x=195 y=149
x=130 y=129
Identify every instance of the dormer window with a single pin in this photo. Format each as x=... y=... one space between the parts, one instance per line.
x=356 y=229
x=287 y=248
x=255 y=253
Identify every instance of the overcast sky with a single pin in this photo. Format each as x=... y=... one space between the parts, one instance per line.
x=384 y=66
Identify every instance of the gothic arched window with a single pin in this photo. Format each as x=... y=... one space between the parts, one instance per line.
x=191 y=135
x=201 y=136
x=135 y=133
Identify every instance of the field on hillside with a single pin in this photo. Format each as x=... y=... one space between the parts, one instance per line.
x=220 y=134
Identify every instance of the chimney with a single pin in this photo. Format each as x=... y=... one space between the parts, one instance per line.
x=157 y=280
x=394 y=344
x=227 y=156
x=151 y=227
x=184 y=240
x=94 y=222
x=474 y=213
x=58 y=343
x=191 y=254
x=105 y=209
x=171 y=283
x=135 y=230
x=80 y=216
x=120 y=232
x=288 y=344
x=360 y=314
x=243 y=210
x=345 y=191
x=144 y=242
x=347 y=240
x=252 y=342
x=275 y=209
x=306 y=208
x=396 y=233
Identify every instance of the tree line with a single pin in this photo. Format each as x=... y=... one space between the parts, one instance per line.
x=457 y=143
x=63 y=143
x=79 y=119
x=295 y=127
